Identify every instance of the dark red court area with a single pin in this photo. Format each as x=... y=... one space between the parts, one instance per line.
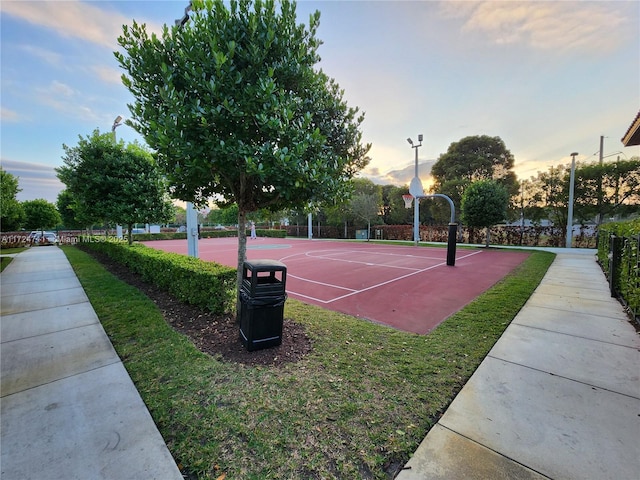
x=406 y=287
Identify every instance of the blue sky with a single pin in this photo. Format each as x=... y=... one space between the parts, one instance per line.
x=549 y=78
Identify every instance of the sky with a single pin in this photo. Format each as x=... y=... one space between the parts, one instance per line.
x=547 y=77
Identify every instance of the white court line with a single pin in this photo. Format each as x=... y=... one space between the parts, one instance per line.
x=322 y=283
x=313 y=254
x=355 y=292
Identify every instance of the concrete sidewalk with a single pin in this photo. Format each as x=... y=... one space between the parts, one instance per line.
x=69 y=409
x=557 y=397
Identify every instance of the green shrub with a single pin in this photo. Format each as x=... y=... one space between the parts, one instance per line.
x=145 y=237
x=191 y=280
x=626 y=276
x=268 y=233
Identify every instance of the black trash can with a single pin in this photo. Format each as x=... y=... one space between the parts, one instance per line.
x=262 y=298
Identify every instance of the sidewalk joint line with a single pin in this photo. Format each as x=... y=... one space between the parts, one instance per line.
x=494 y=451
x=595 y=387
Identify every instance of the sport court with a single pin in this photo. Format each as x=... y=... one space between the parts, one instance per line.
x=406 y=287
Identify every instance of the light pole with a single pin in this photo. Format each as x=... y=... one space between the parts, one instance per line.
x=192 y=215
x=116 y=123
x=416 y=190
x=570 y=212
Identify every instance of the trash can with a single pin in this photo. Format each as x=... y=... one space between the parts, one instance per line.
x=262 y=297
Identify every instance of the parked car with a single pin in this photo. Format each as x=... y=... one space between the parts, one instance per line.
x=44 y=238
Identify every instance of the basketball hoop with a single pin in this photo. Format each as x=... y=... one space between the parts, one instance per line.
x=408 y=200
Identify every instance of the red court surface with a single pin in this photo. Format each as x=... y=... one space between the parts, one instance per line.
x=406 y=287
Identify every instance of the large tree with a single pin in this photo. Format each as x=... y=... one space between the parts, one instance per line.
x=365 y=207
x=40 y=214
x=233 y=104
x=393 y=210
x=11 y=211
x=484 y=204
x=114 y=183
x=603 y=190
x=473 y=158
x=547 y=194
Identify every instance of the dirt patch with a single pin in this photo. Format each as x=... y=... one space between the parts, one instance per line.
x=217 y=335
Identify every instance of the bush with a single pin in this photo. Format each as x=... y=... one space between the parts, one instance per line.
x=145 y=237
x=15 y=241
x=621 y=264
x=266 y=233
x=189 y=279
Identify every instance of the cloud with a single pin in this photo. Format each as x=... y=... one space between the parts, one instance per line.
x=108 y=74
x=9 y=116
x=74 y=19
x=35 y=179
x=59 y=88
x=401 y=176
x=104 y=73
x=50 y=57
x=65 y=100
x=561 y=26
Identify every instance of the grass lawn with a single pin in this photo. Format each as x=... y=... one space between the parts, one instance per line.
x=5 y=261
x=356 y=407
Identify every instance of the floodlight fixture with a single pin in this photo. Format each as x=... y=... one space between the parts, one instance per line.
x=116 y=123
x=420 y=138
x=410 y=141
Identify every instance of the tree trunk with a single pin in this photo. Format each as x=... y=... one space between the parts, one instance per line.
x=130 y=233
x=242 y=255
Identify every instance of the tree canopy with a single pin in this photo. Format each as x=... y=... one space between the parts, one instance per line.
x=40 y=214
x=113 y=183
x=547 y=194
x=235 y=109
x=11 y=211
x=473 y=158
x=484 y=204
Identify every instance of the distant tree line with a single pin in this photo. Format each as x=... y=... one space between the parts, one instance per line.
x=481 y=168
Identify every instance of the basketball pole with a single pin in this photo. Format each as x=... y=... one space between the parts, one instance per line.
x=453 y=226
x=417 y=192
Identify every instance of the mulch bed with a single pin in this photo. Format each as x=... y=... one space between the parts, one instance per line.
x=217 y=335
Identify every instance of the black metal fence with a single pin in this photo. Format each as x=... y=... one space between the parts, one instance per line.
x=620 y=260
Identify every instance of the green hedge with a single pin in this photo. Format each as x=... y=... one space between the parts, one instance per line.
x=625 y=260
x=145 y=237
x=191 y=280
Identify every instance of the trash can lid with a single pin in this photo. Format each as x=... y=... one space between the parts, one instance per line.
x=264 y=265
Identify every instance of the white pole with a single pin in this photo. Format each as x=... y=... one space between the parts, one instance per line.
x=192 y=231
x=310 y=226
x=416 y=208
x=116 y=123
x=415 y=189
x=570 y=212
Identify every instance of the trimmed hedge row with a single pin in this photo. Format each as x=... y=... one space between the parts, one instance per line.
x=191 y=280
x=619 y=250
x=145 y=237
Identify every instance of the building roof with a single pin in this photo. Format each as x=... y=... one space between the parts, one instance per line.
x=632 y=137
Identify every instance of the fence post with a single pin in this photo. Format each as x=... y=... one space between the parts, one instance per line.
x=615 y=252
